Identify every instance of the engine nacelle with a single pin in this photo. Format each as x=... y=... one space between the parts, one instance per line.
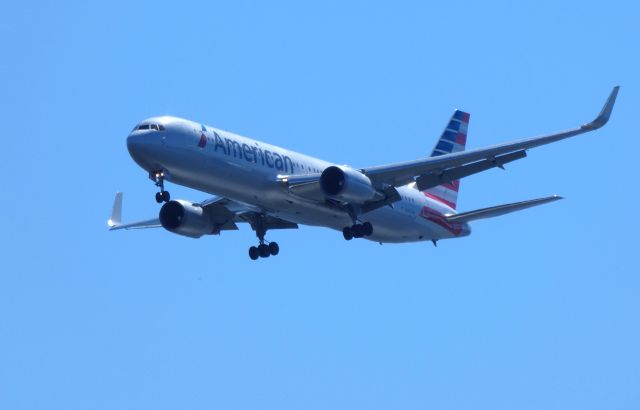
x=183 y=218
x=346 y=184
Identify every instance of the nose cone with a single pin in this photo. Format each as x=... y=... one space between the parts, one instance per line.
x=143 y=148
x=133 y=141
x=152 y=142
x=136 y=146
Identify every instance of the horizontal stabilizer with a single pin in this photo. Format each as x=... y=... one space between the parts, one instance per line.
x=499 y=210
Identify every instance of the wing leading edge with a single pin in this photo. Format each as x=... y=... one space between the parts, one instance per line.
x=404 y=172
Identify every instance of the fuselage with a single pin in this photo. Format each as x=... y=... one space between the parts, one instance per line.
x=247 y=171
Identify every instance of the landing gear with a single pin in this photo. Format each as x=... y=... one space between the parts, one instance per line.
x=162 y=196
x=265 y=249
x=357 y=231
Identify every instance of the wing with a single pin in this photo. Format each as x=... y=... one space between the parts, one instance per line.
x=223 y=212
x=432 y=171
x=260 y=221
x=215 y=208
x=149 y=223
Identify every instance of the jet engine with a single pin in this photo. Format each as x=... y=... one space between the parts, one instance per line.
x=183 y=218
x=346 y=184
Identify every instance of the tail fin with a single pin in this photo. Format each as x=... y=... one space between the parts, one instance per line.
x=453 y=139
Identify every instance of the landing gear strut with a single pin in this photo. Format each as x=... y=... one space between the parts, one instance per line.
x=357 y=231
x=265 y=249
x=162 y=196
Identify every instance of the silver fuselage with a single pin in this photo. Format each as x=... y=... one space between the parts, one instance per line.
x=247 y=171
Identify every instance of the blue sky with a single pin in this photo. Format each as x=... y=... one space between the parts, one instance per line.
x=534 y=310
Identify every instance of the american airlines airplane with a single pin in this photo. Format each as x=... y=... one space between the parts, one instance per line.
x=269 y=187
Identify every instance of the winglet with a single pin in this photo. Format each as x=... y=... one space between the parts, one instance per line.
x=604 y=115
x=116 y=213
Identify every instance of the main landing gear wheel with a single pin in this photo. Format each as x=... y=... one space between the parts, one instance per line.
x=357 y=231
x=162 y=196
x=265 y=249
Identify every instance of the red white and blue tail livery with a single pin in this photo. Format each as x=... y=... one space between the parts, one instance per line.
x=453 y=139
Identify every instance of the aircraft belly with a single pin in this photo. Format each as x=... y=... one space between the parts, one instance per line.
x=392 y=225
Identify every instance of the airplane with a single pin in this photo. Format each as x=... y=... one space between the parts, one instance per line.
x=269 y=187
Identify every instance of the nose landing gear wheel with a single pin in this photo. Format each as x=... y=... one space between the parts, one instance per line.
x=163 y=196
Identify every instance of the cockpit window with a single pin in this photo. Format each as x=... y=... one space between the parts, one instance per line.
x=156 y=127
